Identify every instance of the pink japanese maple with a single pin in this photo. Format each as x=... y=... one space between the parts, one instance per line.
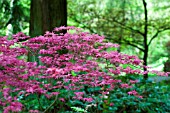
x=72 y=61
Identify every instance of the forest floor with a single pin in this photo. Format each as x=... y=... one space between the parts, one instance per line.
x=159 y=78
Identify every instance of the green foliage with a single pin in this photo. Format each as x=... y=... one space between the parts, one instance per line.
x=155 y=99
x=77 y=109
x=14 y=14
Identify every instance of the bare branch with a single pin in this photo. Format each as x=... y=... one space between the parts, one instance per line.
x=129 y=28
x=157 y=33
x=129 y=43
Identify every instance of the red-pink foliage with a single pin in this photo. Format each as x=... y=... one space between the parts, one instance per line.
x=61 y=56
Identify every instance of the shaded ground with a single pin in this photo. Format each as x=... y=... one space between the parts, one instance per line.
x=158 y=78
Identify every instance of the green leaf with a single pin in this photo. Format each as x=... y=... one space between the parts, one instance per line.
x=73 y=73
x=78 y=109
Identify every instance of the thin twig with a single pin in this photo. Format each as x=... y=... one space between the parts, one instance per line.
x=51 y=105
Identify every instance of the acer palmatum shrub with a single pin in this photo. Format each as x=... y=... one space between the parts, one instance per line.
x=75 y=69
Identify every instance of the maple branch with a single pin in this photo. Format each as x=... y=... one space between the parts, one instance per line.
x=157 y=33
x=135 y=46
x=129 y=43
x=128 y=27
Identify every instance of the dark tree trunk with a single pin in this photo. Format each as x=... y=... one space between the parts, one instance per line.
x=145 y=57
x=45 y=15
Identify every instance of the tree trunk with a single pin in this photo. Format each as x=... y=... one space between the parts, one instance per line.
x=45 y=15
x=145 y=57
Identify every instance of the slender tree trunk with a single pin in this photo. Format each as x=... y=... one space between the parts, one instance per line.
x=145 y=57
x=45 y=15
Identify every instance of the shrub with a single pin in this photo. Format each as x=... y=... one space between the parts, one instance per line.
x=70 y=71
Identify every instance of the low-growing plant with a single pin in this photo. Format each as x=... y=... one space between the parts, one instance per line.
x=70 y=72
